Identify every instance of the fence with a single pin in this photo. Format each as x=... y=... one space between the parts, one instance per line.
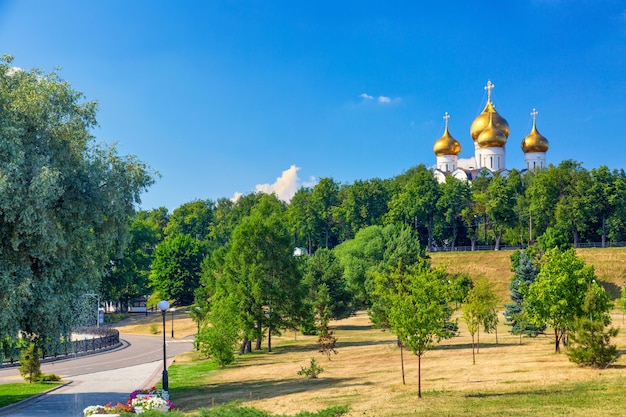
x=95 y=339
x=515 y=247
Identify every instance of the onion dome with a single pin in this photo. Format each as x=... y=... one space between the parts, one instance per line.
x=446 y=144
x=535 y=141
x=481 y=122
x=491 y=136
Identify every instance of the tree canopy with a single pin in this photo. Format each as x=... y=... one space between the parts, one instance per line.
x=65 y=202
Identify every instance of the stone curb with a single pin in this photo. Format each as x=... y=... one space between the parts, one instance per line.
x=9 y=409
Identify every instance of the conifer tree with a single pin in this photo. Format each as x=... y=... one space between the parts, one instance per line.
x=525 y=274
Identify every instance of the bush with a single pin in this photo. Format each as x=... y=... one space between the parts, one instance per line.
x=590 y=343
x=312 y=371
x=155 y=328
x=49 y=378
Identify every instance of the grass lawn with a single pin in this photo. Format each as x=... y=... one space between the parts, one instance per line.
x=508 y=378
x=15 y=392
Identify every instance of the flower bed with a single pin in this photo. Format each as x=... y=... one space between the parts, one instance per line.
x=108 y=410
x=139 y=401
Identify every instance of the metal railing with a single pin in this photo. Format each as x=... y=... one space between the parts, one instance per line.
x=515 y=247
x=97 y=339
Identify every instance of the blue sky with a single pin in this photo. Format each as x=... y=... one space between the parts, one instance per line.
x=225 y=97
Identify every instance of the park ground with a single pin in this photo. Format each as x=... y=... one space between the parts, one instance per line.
x=508 y=377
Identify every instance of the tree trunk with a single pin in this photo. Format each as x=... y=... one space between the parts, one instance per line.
x=244 y=344
x=557 y=340
x=473 y=352
x=419 y=376
x=478 y=340
x=269 y=331
x=603 y=231
x=402 y=360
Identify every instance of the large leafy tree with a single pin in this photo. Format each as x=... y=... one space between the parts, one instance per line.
x=327 y=288
x=176 y=268
x=557 y=297
x=261 y=270
x=193 y=219
x=65 y=202
x=359 y=257
x=456 y=196
x=128 y=276
x=416 y=203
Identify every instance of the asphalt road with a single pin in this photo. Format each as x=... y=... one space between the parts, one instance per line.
x=98 y=379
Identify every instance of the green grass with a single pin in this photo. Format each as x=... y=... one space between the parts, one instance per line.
x=235 y=410
x=16 y=392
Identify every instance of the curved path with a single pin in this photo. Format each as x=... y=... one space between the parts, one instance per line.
x=99 y=378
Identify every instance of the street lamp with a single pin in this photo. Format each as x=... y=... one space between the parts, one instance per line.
x=163 y=306
x=172 y=310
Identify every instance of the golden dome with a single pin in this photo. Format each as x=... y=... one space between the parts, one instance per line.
x=447 y=145
x=535 y=141
x=491 y=136
x=481 y=122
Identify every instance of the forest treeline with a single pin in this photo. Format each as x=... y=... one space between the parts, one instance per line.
x=563 y=205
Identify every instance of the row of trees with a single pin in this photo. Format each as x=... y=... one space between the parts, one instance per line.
x=562 y=205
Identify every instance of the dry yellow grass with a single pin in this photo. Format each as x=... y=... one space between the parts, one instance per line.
x=366 y=373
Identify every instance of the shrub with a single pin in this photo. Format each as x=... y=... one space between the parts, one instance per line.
x=30 y=367
x=49 y=378
x=312 y=371
x=155 y=328
x=590 y=343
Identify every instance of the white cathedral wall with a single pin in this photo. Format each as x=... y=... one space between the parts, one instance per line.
x=446 y=163
x=535 y=160
x=490 y=158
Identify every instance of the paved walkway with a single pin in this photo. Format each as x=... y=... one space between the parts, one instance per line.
x=98 y=379
x=89 y=389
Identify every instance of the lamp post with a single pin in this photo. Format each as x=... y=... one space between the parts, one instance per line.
x=163 y=306
x=172 y=310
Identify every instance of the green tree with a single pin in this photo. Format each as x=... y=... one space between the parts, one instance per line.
x=220 y=332
x=479 y=308
x=416 y=204
x=418 y=310
x=456 y=196
x=590 y=343
x=525 y=272
x=175 y=270
x=557 y=296
x=324 y=274
x=30 y=367
x=193 y=219
x=359 y=257
x=261 y=270
x=499 y=207
x=65 y=203
x=128 y=276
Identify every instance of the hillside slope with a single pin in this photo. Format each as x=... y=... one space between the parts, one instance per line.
x=609 y=265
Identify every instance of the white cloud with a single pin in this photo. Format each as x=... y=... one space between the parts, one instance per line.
x=466 y=163
x=366 y=96
x=285 y=186
x=236 y=197
x=13 y=70
x=383 y=99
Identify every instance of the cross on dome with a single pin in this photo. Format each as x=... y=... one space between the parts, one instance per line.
x=489 y=87
x=446 y=117
x=534 y=114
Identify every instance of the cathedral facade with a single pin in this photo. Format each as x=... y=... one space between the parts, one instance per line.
x=490 y=132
